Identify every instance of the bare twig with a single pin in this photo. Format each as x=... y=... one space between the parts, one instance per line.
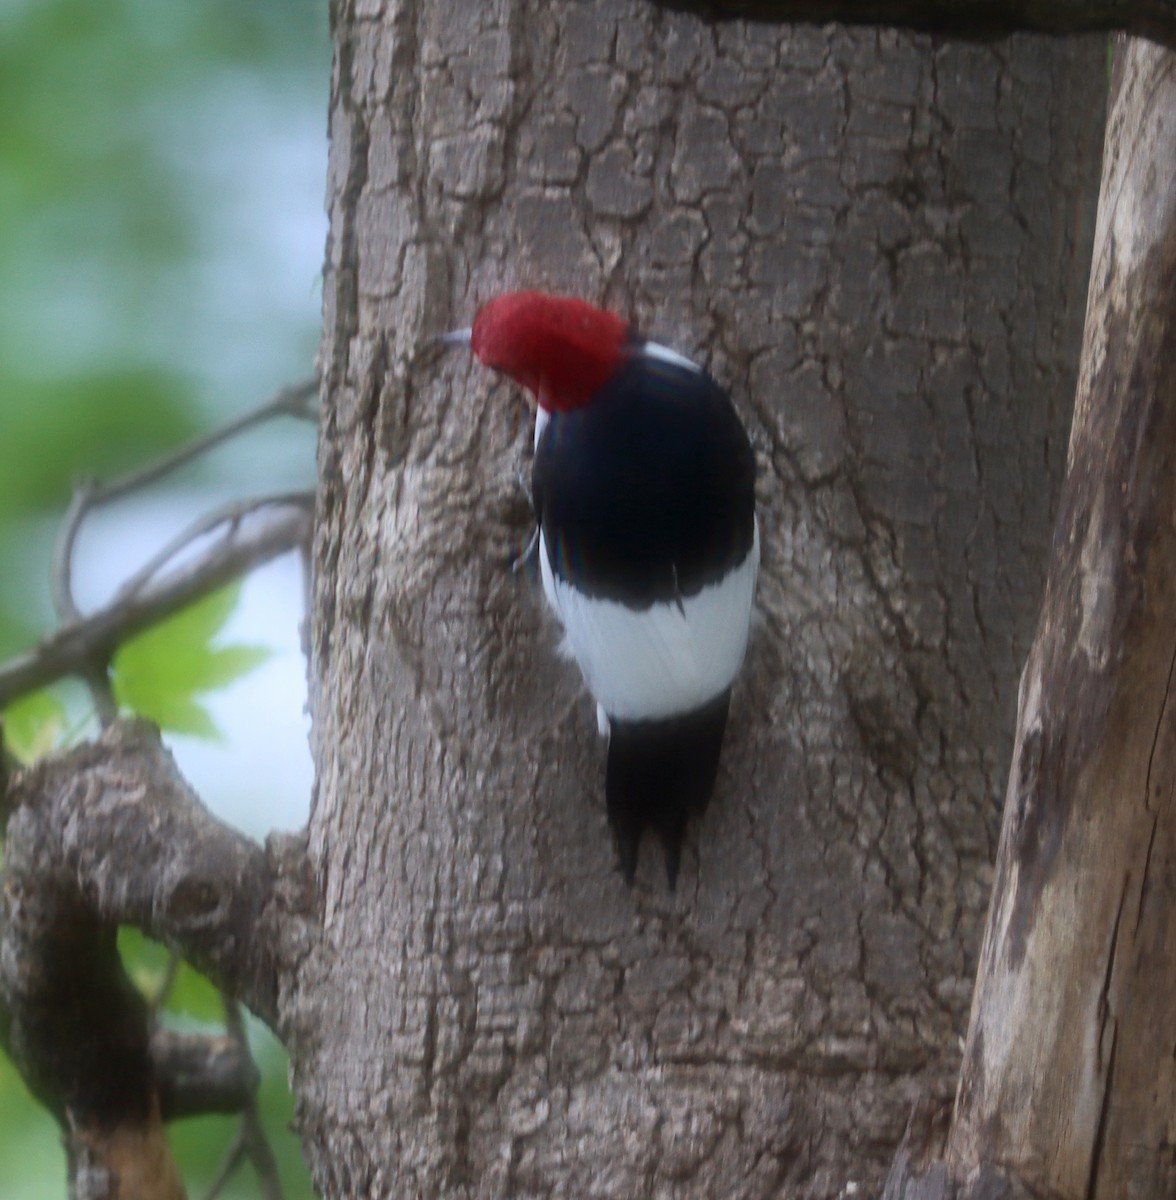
x=94 y=668
x=253 y=1135
x=231 y=515
x=61 y=576
x=70 y=649
x=295 y=401
x=229 y=1164
x=94 y=671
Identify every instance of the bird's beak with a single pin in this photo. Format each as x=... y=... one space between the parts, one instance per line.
x=455 y=337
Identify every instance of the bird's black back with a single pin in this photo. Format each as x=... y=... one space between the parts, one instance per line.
x=646 y=494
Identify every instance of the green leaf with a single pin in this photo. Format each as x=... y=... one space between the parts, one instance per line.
x=33 y=725
x=177 y=714
x=160 y=673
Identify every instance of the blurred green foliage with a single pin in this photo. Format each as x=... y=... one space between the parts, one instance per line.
x=34 y=725
x=107 y=314
x=105 y=303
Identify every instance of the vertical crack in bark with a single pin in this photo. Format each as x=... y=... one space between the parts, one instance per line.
x=1102 y=1009
x=1145 y=882
x=1100 y=1137
x=1166 y=700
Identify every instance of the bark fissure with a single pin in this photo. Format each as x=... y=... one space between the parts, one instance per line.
x=1156 y=741
x=1100 y=1133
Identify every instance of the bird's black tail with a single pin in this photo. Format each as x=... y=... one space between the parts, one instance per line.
x=661 y=773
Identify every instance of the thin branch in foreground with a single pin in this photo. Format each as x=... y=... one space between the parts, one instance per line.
x=95 y=671
x=250 y=1141
x=234 y=1157
x=70 y=649
x=295 y=401
x=230 y=515
x=253 y=1137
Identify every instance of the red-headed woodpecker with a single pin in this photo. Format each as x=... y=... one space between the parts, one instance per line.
x=644 y=488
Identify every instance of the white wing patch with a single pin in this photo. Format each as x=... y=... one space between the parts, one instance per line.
x=667 y=659
x=665 y=354
x=542 y=416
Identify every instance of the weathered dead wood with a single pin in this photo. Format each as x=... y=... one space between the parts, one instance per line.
x=1069 y=1074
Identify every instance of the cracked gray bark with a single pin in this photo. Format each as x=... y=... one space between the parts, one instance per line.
x=879 y=244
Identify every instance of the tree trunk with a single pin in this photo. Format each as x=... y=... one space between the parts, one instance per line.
x=879 y=245
x=1069 y=1076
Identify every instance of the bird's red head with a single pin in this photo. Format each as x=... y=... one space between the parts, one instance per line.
x=561 y=349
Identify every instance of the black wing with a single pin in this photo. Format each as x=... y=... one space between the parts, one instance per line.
x=647 y=494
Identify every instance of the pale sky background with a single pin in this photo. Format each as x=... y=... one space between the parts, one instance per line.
x=258 y=777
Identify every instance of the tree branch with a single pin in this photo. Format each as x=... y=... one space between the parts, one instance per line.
x=296 y=401
x=230 y=515
x=96 y=670
x=251 y=1141
x=197 y=1075
x=109 y=834
x=1153 y=19
x=74 y=647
